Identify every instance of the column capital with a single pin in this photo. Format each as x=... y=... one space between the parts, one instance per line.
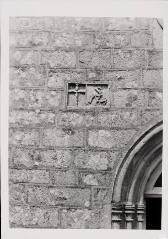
x=117 y=210
x=129 y=212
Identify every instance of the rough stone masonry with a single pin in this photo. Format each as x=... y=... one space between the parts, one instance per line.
x=81 y=90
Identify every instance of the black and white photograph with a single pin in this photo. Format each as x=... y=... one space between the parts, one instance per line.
x=85 y=122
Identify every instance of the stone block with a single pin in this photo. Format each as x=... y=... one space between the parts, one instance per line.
x=72 y=40
x=56 y=158
x=155 y=59
x=131 y=58
x=43 y=158
x=24 y=57
x=35 y=99
x=68 y=24
x=27 y=98
x=94 y=179
x=59 y=58
x=151 y=116
x=24 y=137
x=112 y=39
x=27 y=76
x=155 y=99
x=22 y=117
x=125 y=23
x=31 y=23
x=97 y=160
x=65 y=137
x=58 y=78
x=53 y=99
x=141 y=39
x=153 y=79
x=17 y=193
x=56 y=196
x=95 y=59
x=110 y=138
x=36 y=217
x=101 y=196
x=67 y=177
x=71 y=119
x=119 y=119
x=30 y=39
x=124 y=79
x=32 y=176
x=80 y=219
x=94 y=74
x=129 y=98
x=25 y=158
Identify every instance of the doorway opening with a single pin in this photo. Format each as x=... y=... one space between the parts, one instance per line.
x=153 y=201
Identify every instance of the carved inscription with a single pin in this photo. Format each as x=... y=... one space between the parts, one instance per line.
x=88 y=95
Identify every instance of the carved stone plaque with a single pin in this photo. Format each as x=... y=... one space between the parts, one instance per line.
x=88 y=95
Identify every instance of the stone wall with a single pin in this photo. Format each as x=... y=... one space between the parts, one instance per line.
x=81 y=90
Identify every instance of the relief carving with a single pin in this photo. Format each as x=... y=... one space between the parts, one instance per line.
x=98 y=98
x=88 y=95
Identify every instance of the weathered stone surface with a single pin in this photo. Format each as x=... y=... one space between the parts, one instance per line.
x=24 y=137
x=155 y=59
x=69 y=119
x=65 y=137
x=125 y=59
x=44 y=158
x=126 y=23
x=95 y=59
x=141 y=39
x=64 y=177
x=157 y=33
x=56 y=158
x=17 y=193
x=129 y=98
x=24 y=57
x=153 y=79
x=95 y=179
x=34 y=98
x=101 y=196
x=53 y=99
x=33 y=176
x=124 y=79
x=150 y=116
x=27 y=98
x=68 y=24
x=93 y=74
x=80 y=219
x=30 y=39
x=59 y=58
x=155 y=99
x=95 y=160
x=31 y=216
x=109 y=139
x=22 y=117
x=72 y=40
x=58 y=78
x=115 y=39
x=31 y=23
x=58 y=196
x=31 y=76
x=118 y=118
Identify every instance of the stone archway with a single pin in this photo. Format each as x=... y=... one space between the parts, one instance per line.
x=140 y=164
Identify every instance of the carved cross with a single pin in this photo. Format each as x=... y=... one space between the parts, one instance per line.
x=76 y=90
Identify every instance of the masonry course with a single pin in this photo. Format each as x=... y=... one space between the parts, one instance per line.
x=63 y=157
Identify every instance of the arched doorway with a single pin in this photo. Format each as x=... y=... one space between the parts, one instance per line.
x=137 y=187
